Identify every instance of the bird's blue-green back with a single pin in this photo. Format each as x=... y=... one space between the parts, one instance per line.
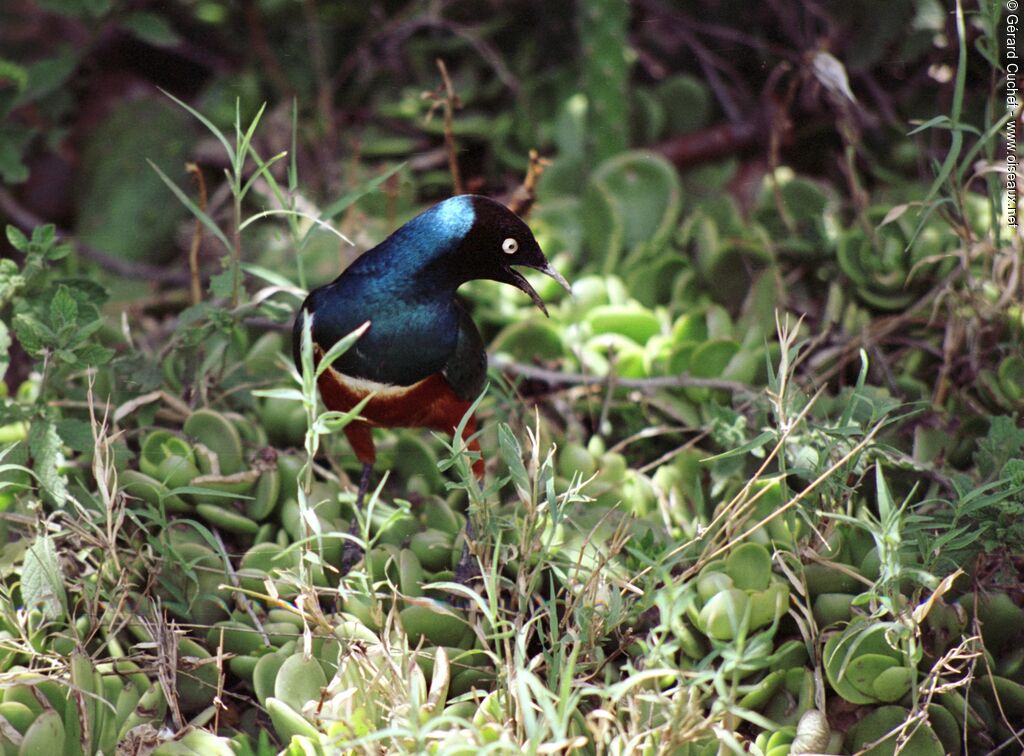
x=406 y=287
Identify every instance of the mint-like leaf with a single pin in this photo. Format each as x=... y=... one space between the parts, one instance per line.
x=41 y=581
x=63 y=308
x=1013 y=472
x=47 y=457
x=31 y=334
x=85 y=291
x=221 y=284
x=11 y=280
x=17 y=239
x=512 y=454
x=150 y=28
x=5 y=349
x=76 y=433
x=94 y=354
x=13 y=140
x=89 y=328
x=1003 y=441
x=44 y=236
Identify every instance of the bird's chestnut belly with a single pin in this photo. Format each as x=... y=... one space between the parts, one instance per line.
x=429 y=403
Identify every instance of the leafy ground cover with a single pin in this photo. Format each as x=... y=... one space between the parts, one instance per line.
x=755 y=486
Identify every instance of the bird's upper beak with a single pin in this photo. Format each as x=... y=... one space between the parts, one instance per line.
x=520 y=282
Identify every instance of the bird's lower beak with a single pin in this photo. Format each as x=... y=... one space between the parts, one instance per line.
x=520 y=282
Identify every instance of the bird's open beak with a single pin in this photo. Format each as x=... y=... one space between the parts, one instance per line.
x=520 y=282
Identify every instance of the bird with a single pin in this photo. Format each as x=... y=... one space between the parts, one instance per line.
x=421 y=359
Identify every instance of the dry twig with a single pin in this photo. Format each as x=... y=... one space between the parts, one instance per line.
x=195 y=286
x=525 y=194
x=445 y=99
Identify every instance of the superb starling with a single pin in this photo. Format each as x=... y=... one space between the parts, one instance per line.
x=422 y=357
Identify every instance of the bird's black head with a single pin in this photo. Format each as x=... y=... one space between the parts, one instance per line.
x=496 y=243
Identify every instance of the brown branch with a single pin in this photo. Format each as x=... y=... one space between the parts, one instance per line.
x=711 y=143
x=445 y=99
x=26 y=220
x=525 y=194
x=197 y=236
x=640 y=384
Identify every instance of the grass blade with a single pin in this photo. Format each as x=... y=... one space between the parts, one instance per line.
x=193 y=207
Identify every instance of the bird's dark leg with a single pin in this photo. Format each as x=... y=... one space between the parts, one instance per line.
x=364 y=484
x=351 y=553
x=468 y=569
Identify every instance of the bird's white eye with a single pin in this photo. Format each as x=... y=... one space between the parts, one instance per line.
x=510 y=246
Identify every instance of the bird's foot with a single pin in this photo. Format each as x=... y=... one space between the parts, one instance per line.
x=467 y=571
x=352 y=552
